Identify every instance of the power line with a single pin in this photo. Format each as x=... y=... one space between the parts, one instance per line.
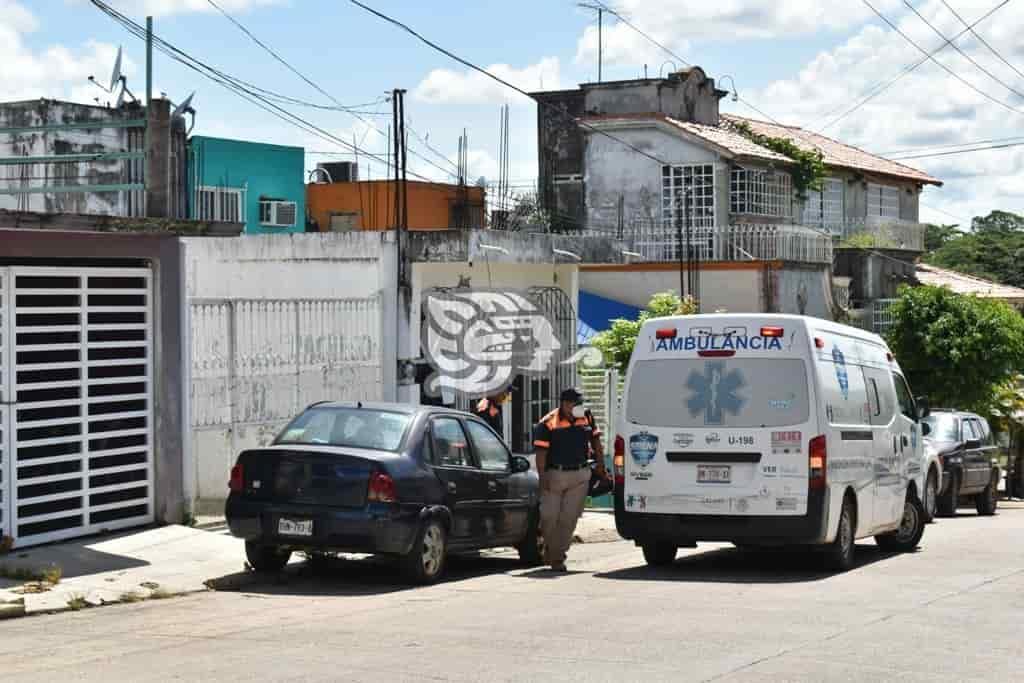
x=879 y=88
x=982 y=40
x=940 y=64
x=932 y=148
x=947 y=213
x=966 y=56
x=349 y=110
x=232 y=84
x=958 y=151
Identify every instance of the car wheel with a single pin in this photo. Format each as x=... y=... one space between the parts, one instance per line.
x=266 y=558
x=531 y=550
x=425 y=562
x=987 y=500
x=947 y=502
x=931 y=494
x=908 y=536
x=841 y=552
x=659 y=554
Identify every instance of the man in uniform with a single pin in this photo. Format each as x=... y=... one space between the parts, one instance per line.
x=565 y=440
x=489 y=410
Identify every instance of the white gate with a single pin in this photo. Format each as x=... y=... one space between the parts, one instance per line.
x=5 y=432
x=77 y=357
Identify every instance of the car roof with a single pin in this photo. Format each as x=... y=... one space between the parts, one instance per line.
x=959 y=413
x=386 y=406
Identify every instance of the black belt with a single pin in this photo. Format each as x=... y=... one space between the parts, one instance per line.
x=567 y=468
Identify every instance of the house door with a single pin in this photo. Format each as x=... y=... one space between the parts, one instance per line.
x=76 y=405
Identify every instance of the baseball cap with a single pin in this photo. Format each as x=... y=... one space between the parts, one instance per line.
x=571 y=394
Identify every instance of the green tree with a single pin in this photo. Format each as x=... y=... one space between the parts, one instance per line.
x=937 y=236
x=955 y=349
x=617 y=342
x=994 y=249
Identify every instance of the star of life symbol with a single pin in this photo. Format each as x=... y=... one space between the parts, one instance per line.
x=477 y=341
x=714 y=392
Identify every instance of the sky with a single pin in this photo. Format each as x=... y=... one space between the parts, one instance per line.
x=802 y=62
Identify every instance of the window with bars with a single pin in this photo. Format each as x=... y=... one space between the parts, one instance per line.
x=278 y=214
x=223 y=204
x=689 y=189
x=761 y=193
x=883 y=202
x=825 y=208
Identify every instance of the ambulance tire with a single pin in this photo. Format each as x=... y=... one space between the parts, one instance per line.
x=659 y=553
x=908 y=536
x=841 y=553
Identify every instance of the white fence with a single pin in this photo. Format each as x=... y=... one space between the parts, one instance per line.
x=257 y=363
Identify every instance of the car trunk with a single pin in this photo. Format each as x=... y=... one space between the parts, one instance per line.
x=307 y=477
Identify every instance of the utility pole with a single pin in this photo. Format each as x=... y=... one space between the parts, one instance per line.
x=679 y=242
x=149 y=109
x=600 y=30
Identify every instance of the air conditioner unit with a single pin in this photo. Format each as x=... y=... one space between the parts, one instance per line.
x=278 y=214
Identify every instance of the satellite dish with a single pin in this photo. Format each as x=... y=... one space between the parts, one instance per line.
x=115 y=75
x=184 y=106
x=120 y=98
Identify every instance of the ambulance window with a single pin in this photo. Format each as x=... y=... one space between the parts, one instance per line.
x=738 y=392
x=904 y=398
x=881 y=404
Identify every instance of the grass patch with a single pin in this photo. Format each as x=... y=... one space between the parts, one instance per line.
x=161 y=594
x=51 y=575
x=131 y=597
x=76 y=603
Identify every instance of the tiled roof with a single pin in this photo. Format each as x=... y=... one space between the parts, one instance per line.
x=726 y=140
x=961 y=283
x=835 y=153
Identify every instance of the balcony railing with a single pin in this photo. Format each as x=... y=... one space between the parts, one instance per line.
x=875 y=232
x=654 y=241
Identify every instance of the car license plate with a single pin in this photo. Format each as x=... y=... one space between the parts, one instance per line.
x=295 y=527
x=714 y=474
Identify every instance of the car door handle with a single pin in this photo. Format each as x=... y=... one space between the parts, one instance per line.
x=452 y=488
x=492 y=485
x=906 y=441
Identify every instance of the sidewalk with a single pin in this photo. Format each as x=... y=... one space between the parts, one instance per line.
x=141 y=565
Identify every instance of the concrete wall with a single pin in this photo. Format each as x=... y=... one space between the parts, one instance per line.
x=802 y=290
x=560 y=145
x=371 y=205
x=875 y=274
x=276 y=323
x=264 y=171
x=164 y=253
x=688 y=96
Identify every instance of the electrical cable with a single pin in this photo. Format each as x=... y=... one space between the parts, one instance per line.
x=879 y=88
x=958 y=151
x=952 y=145
x=982 y=40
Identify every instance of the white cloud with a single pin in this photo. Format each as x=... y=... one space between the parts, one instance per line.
x=622 y=46
x=444 y=86
x=928 y=107
x=163 y=8
x=56 y=72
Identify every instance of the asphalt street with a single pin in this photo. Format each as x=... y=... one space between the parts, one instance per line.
x=951 y=611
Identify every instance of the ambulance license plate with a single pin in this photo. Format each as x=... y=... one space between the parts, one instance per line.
x=714 y=474
x=295 y=527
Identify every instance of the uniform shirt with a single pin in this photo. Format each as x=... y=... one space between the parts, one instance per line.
x=567 y=440
x=490 y=412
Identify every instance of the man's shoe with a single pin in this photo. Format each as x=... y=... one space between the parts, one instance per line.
x=560 y=568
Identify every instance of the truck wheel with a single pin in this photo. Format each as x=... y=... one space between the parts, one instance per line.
x=659 y=554
x=266 y=558
x=931 y=494
x=840 y=553
x=425 y=561
x=531 y=550
x=947 y=502
x=986 y=501
x=908 y=536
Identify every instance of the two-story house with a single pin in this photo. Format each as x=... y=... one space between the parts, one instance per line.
x=655 y=163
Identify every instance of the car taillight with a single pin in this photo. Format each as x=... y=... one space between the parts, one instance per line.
x=818 y=462
x=237 y=482
x=382 y=488
x=619 y=461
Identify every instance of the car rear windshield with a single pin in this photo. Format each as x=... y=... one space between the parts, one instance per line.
x=745 y=393
x=944 y=427
x=348 y=427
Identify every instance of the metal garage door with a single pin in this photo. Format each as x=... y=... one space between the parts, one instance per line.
x=76 y=389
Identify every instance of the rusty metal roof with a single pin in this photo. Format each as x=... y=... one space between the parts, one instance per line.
x=962 y=283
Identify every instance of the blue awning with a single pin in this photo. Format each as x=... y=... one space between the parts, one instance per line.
x=596 y=314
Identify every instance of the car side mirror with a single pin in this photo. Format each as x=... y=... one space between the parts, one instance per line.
x=923 y=409
x=972 y=444
x=520 y=464
x=926 y=429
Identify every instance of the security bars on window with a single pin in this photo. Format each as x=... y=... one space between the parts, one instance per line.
x=761 y=193
x=883 y=202
x=824 y=209
x=689 y=191
x=223 y=204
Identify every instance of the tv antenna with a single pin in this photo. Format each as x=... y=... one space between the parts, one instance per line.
x=185 y=108
x=118 y=81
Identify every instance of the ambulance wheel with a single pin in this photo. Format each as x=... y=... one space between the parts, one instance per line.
x=908 y=536
x=841 y=552
x=931 y=495
x=659 y=554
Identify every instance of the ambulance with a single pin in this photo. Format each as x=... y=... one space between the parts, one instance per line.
x=769 y=431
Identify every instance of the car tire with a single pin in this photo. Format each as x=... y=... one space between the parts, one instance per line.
x=659 y=553
x=931 y=495
x=947 y=502
x=908 y=536
x=266 y=558
x=425 y=562
x=841 y=553
x=531 y=550
x=987 y=501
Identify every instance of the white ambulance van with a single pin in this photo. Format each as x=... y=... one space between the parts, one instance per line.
x=768 y=430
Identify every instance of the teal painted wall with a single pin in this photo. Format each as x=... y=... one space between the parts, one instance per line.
x=265 y=171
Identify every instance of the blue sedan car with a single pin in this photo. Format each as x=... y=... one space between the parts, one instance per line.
x=414 y=482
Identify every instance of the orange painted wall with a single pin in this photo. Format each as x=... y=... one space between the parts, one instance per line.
x=374 y=201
